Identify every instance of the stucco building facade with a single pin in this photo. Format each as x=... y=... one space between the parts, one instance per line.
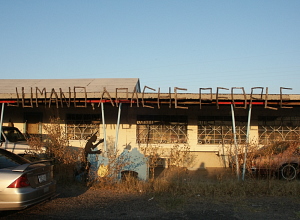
x=210 y=123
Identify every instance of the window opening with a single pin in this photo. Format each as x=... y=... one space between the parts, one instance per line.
x=82 y=126
x=218 y=129
x=273 y=129
x=161 y=129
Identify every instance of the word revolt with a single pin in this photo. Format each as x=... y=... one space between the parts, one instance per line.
x=78 y=97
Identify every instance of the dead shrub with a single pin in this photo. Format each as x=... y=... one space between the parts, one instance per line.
x=153 y=153
x=58 y=149
x=58 y=144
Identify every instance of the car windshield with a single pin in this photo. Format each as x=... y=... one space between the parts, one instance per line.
x=13 y=134
x=8 y=159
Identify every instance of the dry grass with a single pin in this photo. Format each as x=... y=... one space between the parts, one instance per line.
x=179 y=184
x=173 y=185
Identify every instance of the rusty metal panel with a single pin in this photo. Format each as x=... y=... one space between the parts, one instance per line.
x=92 y=85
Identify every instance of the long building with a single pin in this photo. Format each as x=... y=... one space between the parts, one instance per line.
x=210 y=123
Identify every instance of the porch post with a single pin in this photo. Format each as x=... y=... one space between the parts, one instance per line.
x=247 y=142
x=104 y=129
x=1 y=119
x=117 y=129
x=235 y=143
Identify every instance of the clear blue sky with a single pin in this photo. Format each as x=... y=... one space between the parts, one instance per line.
x=166 y=43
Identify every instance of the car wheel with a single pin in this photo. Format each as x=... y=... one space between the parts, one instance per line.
x=288 y=172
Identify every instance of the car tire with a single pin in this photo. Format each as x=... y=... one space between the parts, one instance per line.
x=288 y=172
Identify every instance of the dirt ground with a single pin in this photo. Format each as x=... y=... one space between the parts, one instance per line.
x=79 y=202
x=97 y=204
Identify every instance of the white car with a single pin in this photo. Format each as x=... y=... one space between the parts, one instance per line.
x=14 y=141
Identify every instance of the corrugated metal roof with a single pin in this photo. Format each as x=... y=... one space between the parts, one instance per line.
x=91 y=85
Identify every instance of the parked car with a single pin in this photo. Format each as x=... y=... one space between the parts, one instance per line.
x=13 y=140
x=281 y=158
x=24 y=183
